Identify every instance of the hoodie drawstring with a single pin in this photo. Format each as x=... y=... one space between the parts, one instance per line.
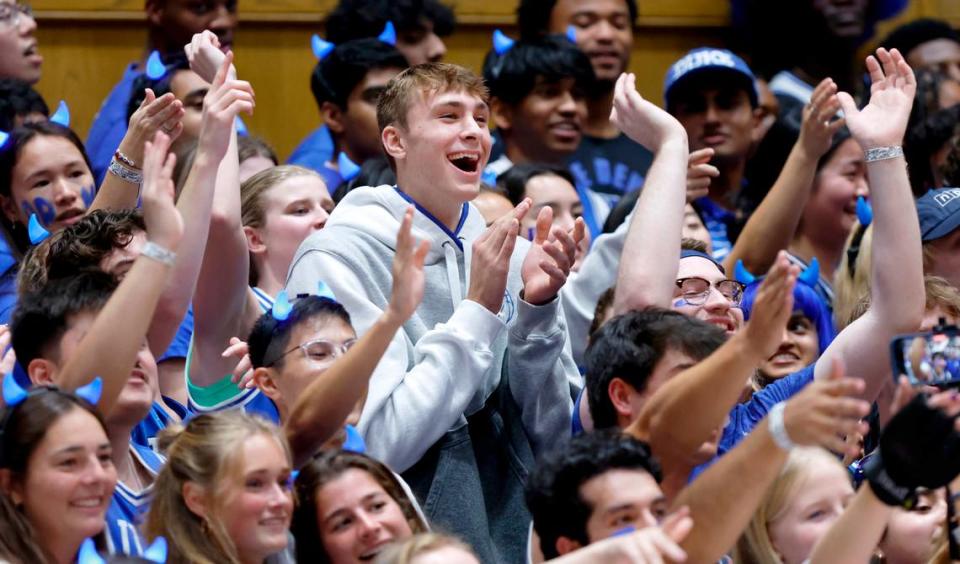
x=453 y=272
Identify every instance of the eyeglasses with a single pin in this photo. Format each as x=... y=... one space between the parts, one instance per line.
x=10 y=14
x=696 y=290
x=320 y=352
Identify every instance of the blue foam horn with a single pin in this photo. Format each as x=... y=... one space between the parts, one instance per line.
x=864 y=211
x=4 y=137
x=294 y=474
x=347 y=168
x=501 y=43
x=571 y=33
x=811 y=275
x=354 y=442
x=88 y=553
x=36 y=231
x=321 y=48
x=489 y=178
x=389 y=34
x=91 y=392
x=324 y=291
x=241 y=127
x=742 y=275
x=281 y=307
x=155 y=67
x=62 y=115
x=156 y=552
x=13 y=394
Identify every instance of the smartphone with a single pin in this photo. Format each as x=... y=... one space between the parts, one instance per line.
x=928 y=359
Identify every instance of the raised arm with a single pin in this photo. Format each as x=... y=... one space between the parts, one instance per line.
x=772 y=226
x=222 y=303
x=897 y=291
x=723 y=499
x=323 y=406
x=652 y=248
x=110 y=347
x=420 y=389
x=683 y=412
x=153 y=115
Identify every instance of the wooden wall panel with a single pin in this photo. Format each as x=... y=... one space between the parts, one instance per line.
x=87 y=43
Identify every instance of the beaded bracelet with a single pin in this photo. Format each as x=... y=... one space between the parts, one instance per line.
x=125 y=173
x=156 y=252
x=882 y=153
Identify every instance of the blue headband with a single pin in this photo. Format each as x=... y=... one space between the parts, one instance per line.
x=36 y=231
x=155 y=67
x=62 y=115
x=687 y=253
x=347 y=168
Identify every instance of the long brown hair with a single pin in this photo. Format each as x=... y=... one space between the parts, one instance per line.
x=205 y=453
x=22 y=429
x=325 y=468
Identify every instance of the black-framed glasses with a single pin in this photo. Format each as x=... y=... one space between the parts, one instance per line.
x=10 y=14
x=695 y=290
x=320 y=352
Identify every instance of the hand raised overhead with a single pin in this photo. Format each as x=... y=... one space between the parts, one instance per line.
x=883 y=121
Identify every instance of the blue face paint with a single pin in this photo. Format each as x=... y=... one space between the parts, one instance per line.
x=624 y=531
x=88 y=194
x=27 y=209
x=680 y=303
x=45 y=210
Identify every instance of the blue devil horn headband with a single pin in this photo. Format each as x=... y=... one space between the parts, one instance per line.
x=62 y=115
x=811 y=275
x=864 y=211
x=320 y=47
x=281 y=307
x=389 y=34
x=354 y=442
x=324 y=291
x=572 y=33
x=36 y=231
x=88 y=554
x=4 y=137
x=91 y=392
x=13 y=394
x=501 y=43
x=155 y=67
x=156 y=552
x=347 y=168
x=240 y=127
x=742 y=275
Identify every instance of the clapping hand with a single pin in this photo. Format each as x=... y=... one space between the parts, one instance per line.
x=550 y=258
x=817 y=129
x=163 y=220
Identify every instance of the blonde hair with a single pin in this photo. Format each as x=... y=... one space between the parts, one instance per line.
x=939 y=293
x=405 y=552
x=755 y=546
x=852 y=281
x=252 y=191
x=207 y=453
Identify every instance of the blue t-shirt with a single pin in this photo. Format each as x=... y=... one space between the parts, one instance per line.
x=128 y=508
x=718 y=222
x=745 y=416
x=110 y=124
x=314 y=151
x=606 y=169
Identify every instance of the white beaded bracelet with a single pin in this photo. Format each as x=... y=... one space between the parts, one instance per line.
x=777 y=429
x=882 y=153
x=154 y=251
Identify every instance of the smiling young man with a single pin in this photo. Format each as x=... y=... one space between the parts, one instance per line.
x=538 y=96
x=444 y=375
x=607 y=162
x=712 y=93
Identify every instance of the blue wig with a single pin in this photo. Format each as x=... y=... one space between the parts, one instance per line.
x=807 y=301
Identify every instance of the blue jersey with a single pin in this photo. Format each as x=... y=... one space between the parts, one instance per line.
x=181 y=341
x=128 y=508
x=224 y=394
x=145 y=433
x=718 y=222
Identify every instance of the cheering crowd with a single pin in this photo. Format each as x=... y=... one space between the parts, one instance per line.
x=511 y=314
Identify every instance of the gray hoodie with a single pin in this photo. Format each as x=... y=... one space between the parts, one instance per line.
x=447 y=361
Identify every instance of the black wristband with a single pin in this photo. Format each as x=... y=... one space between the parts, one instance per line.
x=883 y=486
